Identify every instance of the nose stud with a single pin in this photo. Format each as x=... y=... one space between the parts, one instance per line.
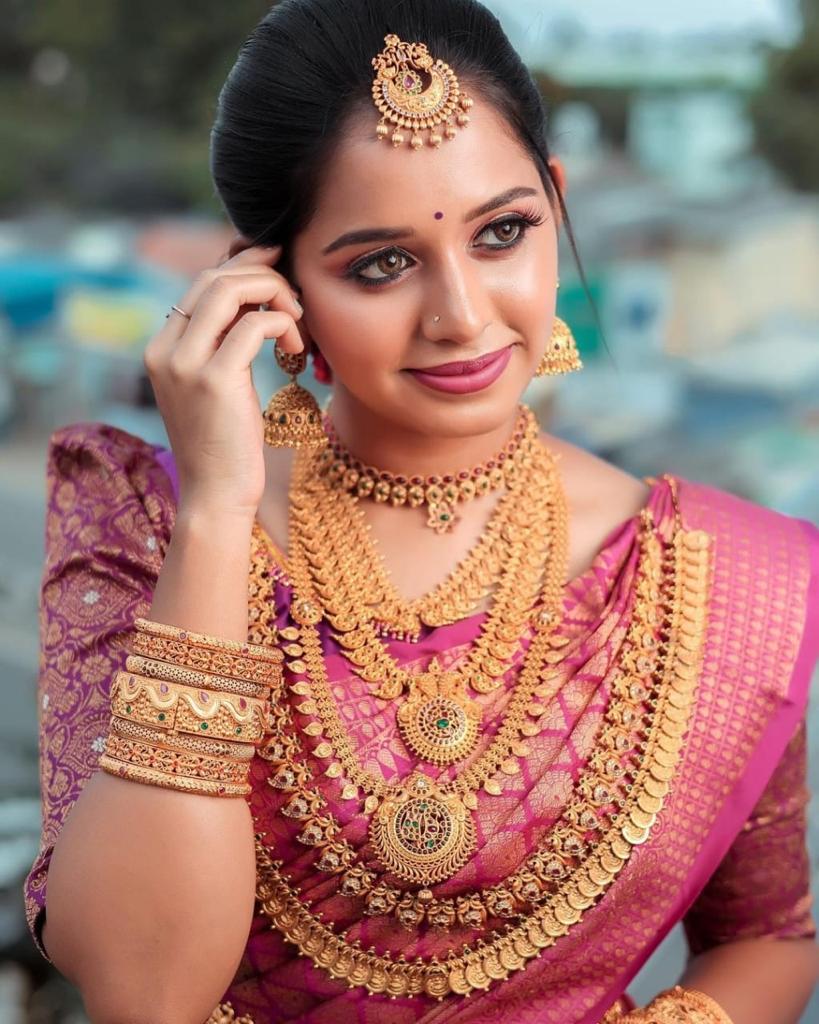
x=435 y=319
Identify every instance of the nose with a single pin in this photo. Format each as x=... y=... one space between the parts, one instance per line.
x=457 y=306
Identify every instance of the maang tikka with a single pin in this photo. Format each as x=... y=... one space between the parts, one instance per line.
x=414 y=91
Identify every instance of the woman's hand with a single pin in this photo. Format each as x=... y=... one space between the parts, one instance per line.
x=200 y=370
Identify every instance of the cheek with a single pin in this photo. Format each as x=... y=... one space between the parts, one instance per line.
x=357 y=329
x=526 y=291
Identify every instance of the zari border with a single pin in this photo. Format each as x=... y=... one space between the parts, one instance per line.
x=494 y=960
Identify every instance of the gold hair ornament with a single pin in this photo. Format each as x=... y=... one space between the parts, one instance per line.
x=412 y=90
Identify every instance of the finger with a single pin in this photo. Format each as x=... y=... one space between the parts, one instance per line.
x=222 y=304
x=243 y=342
x=256 y=259
x=177 y=323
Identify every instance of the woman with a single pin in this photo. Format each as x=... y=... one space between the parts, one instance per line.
x=532 y=711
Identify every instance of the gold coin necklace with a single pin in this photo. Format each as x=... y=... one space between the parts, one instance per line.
x=596 y=794
x=478 y=967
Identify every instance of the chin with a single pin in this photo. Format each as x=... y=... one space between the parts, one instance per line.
x=441 y=414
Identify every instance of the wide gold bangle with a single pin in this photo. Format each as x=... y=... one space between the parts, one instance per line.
x=179 y=741
x=173 y=707
x=205 y=659
x=255 y=652
x=679 y=1005
x=176 y=762
x=154 y=777
x=176 y=673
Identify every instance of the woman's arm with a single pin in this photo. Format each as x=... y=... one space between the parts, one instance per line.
x=151 y=891
x=758 y=981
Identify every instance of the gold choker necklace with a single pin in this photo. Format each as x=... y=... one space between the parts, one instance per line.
x=441 y=494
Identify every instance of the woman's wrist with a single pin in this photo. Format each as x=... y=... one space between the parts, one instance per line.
x=202 y=510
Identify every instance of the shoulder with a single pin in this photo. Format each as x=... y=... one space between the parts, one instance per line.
x=593 y=483
x=106 y=456
x=601 y=498
x=98 y=444
x=102 y=480
x=748 y=529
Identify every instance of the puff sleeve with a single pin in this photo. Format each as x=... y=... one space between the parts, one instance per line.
x=109 y=517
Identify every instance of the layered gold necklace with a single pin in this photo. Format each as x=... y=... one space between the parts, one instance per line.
x=335 y=567
x=651 y=700
x=474 y=577
x=422 y=829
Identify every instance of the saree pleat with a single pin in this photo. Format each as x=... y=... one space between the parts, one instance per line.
x=736 y=803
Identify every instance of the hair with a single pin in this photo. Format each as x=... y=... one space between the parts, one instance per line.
x=307 y=68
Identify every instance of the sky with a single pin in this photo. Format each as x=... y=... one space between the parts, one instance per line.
x=648 y=15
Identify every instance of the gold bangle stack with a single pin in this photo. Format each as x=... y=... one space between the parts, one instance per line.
x=189 y=710
x=677 y=1005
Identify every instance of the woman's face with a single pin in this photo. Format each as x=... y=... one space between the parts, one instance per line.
x=418 y=259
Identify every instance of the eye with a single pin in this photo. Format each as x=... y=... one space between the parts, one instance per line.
x=507 y=231
x=387 y=264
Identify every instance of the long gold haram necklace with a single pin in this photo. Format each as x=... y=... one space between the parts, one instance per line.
x=438 y=721
x=422 y=830
x=597 y=794
x=596 y=868
x=463 y=590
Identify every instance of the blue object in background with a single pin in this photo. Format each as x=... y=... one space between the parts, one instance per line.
x=31 y=285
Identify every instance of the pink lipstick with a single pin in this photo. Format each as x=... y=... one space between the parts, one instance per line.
x=463 y=378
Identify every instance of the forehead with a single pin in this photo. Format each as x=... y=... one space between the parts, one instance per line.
x=372 y=182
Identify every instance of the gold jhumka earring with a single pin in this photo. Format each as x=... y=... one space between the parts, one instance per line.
x=414 y=91
x=292 y=418
x=561 y=355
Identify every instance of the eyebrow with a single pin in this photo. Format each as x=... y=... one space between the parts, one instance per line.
x=363 y=235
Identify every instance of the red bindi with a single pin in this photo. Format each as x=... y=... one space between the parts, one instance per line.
x=439 y=215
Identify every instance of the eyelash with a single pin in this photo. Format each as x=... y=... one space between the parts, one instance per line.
x=526 y=219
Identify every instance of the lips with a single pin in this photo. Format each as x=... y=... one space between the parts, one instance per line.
x=463 y=367
x=463 y=378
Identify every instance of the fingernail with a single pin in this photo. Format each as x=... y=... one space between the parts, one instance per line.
x=298 y=305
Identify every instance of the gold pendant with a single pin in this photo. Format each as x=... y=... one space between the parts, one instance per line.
x=422 y=834
x=438 y=721
x=441 y=516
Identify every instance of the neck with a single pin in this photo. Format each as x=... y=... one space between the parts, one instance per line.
x=397 y=449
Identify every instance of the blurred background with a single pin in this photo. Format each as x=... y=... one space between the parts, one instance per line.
x=690 y=134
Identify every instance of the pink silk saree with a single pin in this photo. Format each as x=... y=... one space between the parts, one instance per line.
x=727 y=856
